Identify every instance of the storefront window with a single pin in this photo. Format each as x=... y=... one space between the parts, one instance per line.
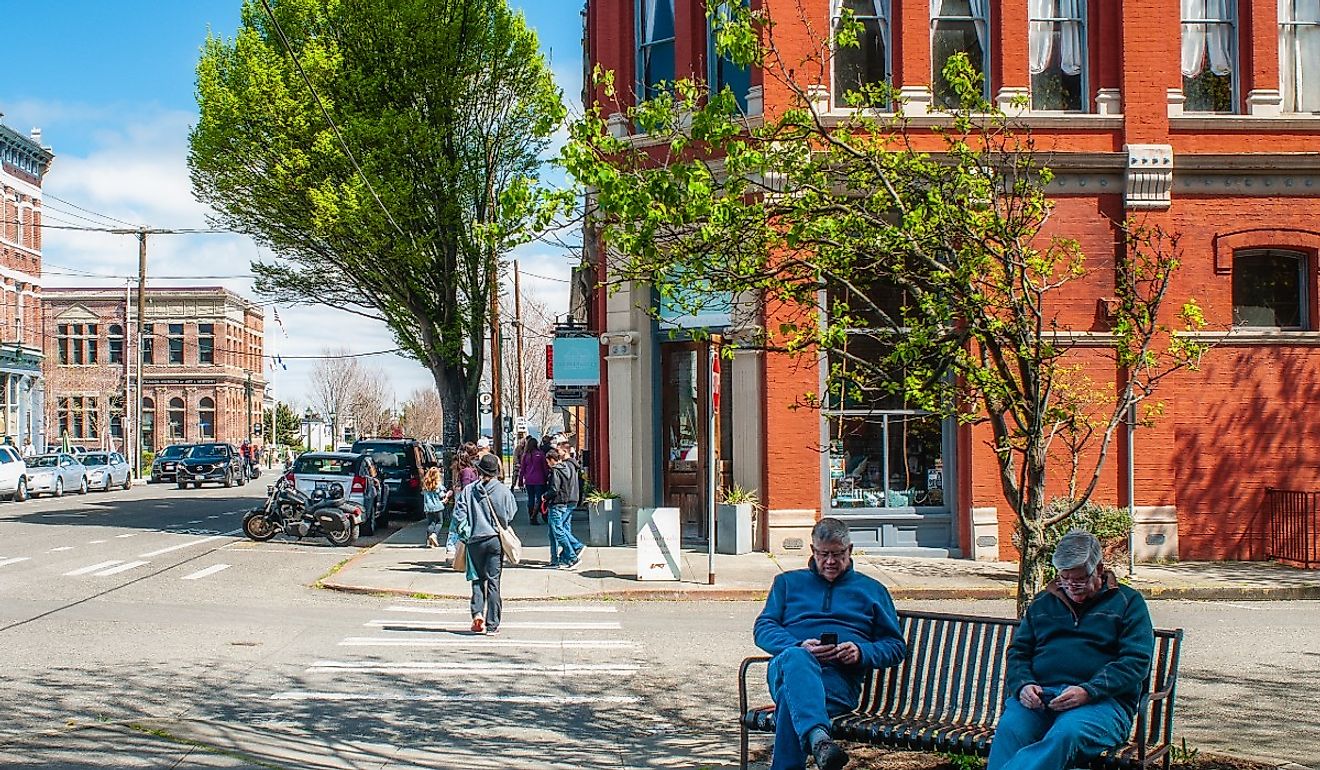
x=886 y=460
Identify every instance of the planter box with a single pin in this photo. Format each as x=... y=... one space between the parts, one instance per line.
x=733 y=528
x=605 y=523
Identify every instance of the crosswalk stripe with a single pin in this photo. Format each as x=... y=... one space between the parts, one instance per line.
x=130 y=534
x=93 y=568
x=486 y=641
x=536 y=700
x=95 y=542
x=61 y=548
x=544 y=625
x=121 y=568
x=211 y=570
x=181 y=545
x=508 y=610
x=14 y=560
x=564 y=669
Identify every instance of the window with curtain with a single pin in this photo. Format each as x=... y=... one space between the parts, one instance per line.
x=1269 y=289
x=1058 y=55
x=1299 y=55
x=1209 y=55
x=176 y=415
x=116 y=344
x=655 y=46
x=148 y=424
x=176 y=343
x=206 y=417
x=869 y=63
x=723 y=72
x=958 y=26
x=148 y=344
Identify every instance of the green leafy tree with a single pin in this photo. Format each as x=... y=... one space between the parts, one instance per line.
x=917 y=260
x=288 y=425
x=444 y=106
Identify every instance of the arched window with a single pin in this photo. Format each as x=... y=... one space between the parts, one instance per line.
x=149 y=424
x=1269 y=289
x=206 y=417
x=116 y=344
x=176 y=419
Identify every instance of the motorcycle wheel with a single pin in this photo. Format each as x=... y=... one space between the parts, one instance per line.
x=257 y=527
x=344 y=538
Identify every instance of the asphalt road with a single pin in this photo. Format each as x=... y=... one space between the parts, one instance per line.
x=178 y=661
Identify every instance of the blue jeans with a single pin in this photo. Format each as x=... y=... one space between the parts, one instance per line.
x=534 y=492
x=1041 y=739
x=564 y=548
x=807 y=695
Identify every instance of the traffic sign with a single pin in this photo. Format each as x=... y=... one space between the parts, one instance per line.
x=485 y=399
x=520 y=424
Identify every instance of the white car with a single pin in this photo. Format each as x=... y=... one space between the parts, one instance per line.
x=354 y=472
x=54 y=473
x=107 y=469
x=13 y=474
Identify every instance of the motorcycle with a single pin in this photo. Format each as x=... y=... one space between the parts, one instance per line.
x=293 y=513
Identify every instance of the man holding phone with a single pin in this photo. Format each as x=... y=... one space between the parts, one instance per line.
x=827 y=628
x=1077 y=666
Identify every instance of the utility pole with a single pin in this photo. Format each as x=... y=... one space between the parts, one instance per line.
x=518 y=338
x=496 y=346
x=247 y=400
x=141 y=337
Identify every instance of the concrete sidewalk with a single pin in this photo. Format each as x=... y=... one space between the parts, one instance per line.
x=402 y=564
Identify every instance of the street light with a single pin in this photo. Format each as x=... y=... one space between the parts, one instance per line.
x=307 y=427
x=334 y=432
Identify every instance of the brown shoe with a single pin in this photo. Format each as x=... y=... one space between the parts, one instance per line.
x=478 y=625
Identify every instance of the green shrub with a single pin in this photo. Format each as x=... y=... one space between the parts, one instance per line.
x=1109 y=523
x=148 y=457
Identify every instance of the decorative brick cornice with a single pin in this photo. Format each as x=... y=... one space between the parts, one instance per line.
x=1262 y=238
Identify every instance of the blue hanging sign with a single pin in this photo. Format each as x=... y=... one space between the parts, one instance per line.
x=577 y=361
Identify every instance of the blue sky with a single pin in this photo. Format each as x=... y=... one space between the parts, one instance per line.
x=111 y=85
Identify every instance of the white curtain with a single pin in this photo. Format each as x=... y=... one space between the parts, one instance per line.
x=979 y=10
x=1042 y=37
x=1299 y=55
x=652 y=8
x=1214 y=41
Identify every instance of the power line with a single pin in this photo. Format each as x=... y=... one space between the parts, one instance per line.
x=333 y=127
x=548 y=278
x=122 y=231
x=52 y=196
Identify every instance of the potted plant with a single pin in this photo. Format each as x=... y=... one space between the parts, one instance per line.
x=604 y=518
x=733 y=520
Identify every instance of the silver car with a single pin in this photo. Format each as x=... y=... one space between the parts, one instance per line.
x=107 y=469
x=53 y=473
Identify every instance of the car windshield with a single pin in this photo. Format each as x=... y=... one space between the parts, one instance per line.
x=206 y=451
x=173 y=451
x=329 y=466
x=44 y=461
x=91 y=459
x=392 y=460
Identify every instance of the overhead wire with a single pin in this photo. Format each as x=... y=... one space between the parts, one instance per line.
x=52 y=196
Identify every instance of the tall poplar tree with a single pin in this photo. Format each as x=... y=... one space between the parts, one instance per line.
x=393 y=184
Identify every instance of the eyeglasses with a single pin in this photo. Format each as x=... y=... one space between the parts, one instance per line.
x=1075 y=582
x=831 y=555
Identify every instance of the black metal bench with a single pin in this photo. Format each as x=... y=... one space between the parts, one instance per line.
x=947 y=694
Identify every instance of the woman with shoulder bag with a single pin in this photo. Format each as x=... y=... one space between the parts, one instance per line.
x=481 y=510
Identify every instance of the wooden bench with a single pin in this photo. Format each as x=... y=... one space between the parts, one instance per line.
x=947 y=693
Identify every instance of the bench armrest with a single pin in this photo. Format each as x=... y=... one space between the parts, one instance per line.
x=742 y=680
x=1144 y=707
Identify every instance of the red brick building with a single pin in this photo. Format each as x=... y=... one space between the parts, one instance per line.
x=202 y=364
x=23 y=165
x=1209 y=123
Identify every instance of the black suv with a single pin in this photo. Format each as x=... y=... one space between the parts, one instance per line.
x=165 y=466
x=401 y=463
x=215 y=463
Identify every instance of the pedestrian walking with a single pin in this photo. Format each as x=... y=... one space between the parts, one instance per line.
x=433 y=505
x=463 y=471
x=519 y=449
x=565 y=549
x=533 y=471
x=480 y=509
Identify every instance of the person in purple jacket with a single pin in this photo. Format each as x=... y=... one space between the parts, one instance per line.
x=827 y=627
x=533 y=471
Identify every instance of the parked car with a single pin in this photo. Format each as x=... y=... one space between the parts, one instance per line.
x=55 y=472
x=214 y=463
x=401 y=463
x=318 y=470
x=107 y=469
x=165 y=466
x=13 y=474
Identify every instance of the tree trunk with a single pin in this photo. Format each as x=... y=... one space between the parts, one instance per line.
x=1032 y=562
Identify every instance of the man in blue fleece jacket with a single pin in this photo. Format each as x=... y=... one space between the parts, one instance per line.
x=1077 y=666
x=810 y=681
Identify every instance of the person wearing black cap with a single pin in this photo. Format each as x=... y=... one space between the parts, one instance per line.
x=476 y=507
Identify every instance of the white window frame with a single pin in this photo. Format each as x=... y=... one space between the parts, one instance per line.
x=1290 y=26
x=886 y=24
x=937 y=16
x=1235 y=57
x=1083 y=11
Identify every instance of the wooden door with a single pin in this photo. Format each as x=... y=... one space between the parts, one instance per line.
x=685 y=399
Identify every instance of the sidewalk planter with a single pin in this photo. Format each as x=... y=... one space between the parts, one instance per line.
x=733 y=528
x=605 y=522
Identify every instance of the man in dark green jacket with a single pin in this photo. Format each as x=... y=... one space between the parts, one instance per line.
x=1077 y=666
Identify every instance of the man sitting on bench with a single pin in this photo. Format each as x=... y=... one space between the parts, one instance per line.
x=826 y=627
x=1077 y=666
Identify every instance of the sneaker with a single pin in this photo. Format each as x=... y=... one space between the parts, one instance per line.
x=551 y=566
x=492 y=631
x=829 y=755
x=577 y=562
x=478 y=625
x=432 y=541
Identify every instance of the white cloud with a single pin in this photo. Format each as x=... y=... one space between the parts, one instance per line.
x=134 y=168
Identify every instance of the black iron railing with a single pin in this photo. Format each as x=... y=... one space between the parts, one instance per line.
x=1294 y=527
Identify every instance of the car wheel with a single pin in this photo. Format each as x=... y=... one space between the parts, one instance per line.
x=106 y=488
x=181 y=484
x=59 y=486
x=229 y=480
x=21 y=493
x=82 y=486
x=128 y=481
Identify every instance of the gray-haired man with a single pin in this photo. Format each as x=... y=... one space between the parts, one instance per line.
x=1077 y=665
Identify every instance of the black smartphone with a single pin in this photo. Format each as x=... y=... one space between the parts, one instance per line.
x=829 y=637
